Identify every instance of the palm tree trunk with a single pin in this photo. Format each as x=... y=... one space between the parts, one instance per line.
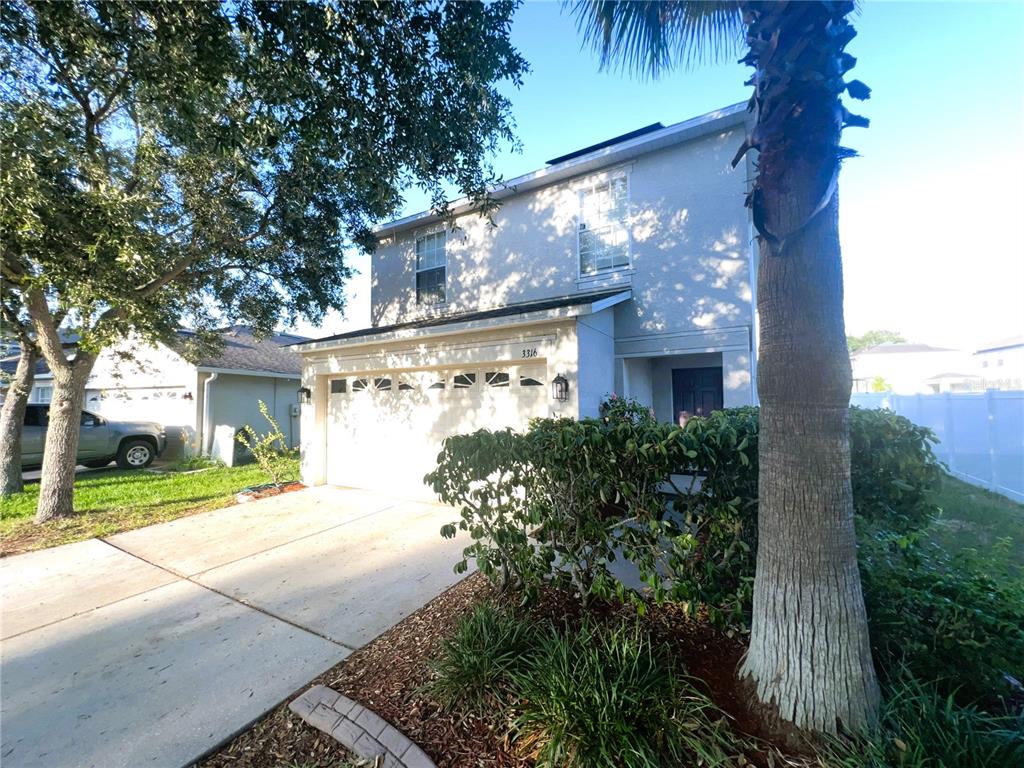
x=809 y=655
x=57 y=482
x=12 y=418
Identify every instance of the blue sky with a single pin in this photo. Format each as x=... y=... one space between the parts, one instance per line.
x=930 y=212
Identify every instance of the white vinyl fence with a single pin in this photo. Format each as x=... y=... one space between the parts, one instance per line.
x=981 y=434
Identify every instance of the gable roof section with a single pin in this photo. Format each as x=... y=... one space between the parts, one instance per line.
x=599 y=300
x=597 y=156
x=242 y=352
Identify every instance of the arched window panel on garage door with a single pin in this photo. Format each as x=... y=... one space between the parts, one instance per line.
x=405 y=382
x=463 y=380
x=531 y=376
x=382 y=383
x=435 y=380
x=495 y=379
x=360 y=385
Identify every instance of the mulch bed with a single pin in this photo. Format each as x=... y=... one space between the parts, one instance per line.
x=386 y=676
x=264 y=491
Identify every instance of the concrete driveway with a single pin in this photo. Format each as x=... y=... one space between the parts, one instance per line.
x=153 y=646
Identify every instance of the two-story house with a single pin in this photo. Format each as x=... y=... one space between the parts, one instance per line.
x=625 y=267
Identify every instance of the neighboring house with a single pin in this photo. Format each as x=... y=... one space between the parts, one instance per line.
x=1001 y=363
x=200 y=404
x=625 y=267
x=910 y=369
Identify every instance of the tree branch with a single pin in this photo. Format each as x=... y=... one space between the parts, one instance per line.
x=47 y=335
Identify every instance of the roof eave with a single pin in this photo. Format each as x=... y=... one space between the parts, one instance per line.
x=529 y=317
x=247 y=372
x=727 y=117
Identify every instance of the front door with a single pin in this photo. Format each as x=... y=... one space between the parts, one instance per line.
x=696 y=391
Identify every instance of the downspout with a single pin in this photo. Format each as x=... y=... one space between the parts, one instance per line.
x=207 y=439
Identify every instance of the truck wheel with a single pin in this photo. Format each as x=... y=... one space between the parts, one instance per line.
x=135 y=454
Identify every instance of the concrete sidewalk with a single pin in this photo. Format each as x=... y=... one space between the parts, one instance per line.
x=153 y=646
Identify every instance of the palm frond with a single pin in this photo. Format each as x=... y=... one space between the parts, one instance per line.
x=648 y=37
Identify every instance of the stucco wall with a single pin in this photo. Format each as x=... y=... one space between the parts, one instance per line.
x=690 y=247
x=234 y=402
x=596 y=375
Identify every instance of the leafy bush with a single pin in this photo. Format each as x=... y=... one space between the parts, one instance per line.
x=473 y=666
x=711 y=562
x=892 y=469
x=561 y=502
x=483 y=475
x=270 y=450
x=603 y=698
x=920 y=726
x=942 y=617
x=594 y=490
x=615 y=409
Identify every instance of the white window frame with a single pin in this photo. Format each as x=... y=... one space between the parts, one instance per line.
x=581 y=190
x=416 y=266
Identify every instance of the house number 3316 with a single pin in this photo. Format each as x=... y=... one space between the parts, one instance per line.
x=530 y=352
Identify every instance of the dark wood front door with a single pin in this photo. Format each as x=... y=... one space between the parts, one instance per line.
x=698 y=391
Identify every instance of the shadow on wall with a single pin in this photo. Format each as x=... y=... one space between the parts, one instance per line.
x=689 y=249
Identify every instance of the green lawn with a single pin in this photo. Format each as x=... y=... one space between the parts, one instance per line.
x=973 y=518
x=108 y=502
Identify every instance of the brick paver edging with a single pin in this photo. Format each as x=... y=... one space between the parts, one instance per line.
x=358 y=729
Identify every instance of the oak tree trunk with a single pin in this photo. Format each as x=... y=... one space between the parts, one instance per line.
x=57 y=482
x=809 y=656
x=12 y=418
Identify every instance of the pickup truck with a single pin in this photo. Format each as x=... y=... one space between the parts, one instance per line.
x=132 y=444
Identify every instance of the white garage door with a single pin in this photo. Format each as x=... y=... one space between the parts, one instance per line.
x=385 y=428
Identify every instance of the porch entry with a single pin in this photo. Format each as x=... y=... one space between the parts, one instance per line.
x=697 y=391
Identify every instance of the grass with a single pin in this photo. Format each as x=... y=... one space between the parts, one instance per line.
x=109 y=502
x=975 y=519
x=920 y=727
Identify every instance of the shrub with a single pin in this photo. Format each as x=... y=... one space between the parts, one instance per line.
x=473 y=666
x=920 y=727
x=594 y=490
x=892 y=469
x=603 y=698
x=559 y=503
x=270 y=450
x=711 y=561
x=483 y=475
x=941 y=617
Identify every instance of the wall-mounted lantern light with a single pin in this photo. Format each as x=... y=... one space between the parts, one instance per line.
x=559 y=388
x=305 y=395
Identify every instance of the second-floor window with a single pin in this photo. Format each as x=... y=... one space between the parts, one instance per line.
x=431 y=269
x=603 y=234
